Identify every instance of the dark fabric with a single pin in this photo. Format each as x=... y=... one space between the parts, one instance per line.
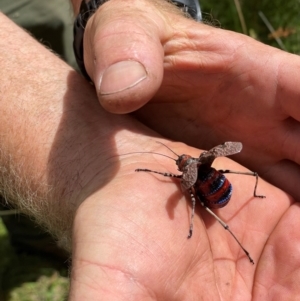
x=51 y=22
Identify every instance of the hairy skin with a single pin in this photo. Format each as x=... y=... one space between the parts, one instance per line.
x=206 y=85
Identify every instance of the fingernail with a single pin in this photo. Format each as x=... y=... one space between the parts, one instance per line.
x=121 y=76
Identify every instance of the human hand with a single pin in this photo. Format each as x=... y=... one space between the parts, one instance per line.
x=124 y=50
x=130 y=237
x=227 y=86
x=207 y=85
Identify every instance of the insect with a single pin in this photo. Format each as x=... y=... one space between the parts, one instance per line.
x=206 y=184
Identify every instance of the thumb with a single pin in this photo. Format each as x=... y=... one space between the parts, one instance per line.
x=123 y=53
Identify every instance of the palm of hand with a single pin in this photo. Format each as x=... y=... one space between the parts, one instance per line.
x=149 y=218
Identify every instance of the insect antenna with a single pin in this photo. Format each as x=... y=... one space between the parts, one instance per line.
x=142 y=153
x=167 y=148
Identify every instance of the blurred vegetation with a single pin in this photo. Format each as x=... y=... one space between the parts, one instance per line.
x=30 y=277
x=26 y=277
x=283 y=15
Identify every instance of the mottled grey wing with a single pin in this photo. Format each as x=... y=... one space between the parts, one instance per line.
x=226 y=149
x=189 y=175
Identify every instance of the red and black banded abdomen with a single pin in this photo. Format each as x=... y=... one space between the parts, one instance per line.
x=212 y=188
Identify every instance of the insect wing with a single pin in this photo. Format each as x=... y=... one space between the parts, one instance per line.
x=227 y=149
x=189 y=175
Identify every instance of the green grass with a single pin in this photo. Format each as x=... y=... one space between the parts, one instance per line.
x=26 y=277
x=283 y=14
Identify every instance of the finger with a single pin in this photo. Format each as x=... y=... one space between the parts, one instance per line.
x=289 y=143
x=285 y=175
x=288 y=89
x=278 y=269
x=123 y=53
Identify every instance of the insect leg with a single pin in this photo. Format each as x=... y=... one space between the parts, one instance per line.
x=192 y=194
x=191 y=191
x=165 y=174
x=226 y=227
x=250 y=173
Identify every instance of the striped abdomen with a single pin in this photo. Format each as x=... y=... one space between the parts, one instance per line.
x=212 y=188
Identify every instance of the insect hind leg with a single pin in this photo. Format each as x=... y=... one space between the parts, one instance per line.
x=249 y=173
x=226 y=227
